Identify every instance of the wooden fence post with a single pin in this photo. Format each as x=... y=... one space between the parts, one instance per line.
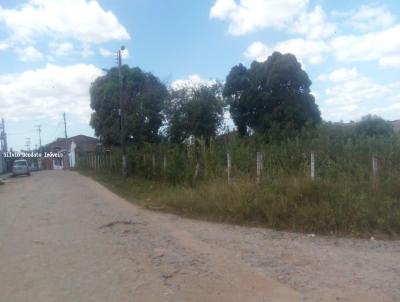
x=153 y=161
x=312 y=165
x=259 y=166
x=196 y=172
x=165 y=163
x=375 y=169
x=228 y=168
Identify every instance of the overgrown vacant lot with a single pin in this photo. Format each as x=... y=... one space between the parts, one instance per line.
x=355 y=190
x=291 y=203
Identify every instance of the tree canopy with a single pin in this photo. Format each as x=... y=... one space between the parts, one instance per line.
x=272 y=96
x=144 y=96
x=372 y=125
x=195 y=111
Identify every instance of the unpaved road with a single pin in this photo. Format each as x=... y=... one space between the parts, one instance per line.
x=63 y=237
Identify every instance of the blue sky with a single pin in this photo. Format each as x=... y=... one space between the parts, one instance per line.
x=51 y=50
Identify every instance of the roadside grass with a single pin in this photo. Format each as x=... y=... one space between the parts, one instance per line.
x=343 y=207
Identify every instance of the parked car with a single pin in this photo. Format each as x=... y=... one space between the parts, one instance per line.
x=21 y=167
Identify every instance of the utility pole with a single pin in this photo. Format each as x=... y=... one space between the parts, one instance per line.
x=28 y=143
x=66 y=159
x=121 y=115
x=65 y=129
x=39 y=129
x=3 y=137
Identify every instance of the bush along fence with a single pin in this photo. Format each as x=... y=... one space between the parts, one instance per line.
x=366 y=160
x=318 y=185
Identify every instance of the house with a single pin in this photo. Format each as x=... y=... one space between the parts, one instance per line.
x=69 y=149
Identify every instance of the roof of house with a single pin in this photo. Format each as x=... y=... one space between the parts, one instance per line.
x=79 y=140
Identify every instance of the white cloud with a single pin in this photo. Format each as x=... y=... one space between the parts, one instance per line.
x=340 y=75
x=367 y=47
x=4 y=46
x=47 y=92
x=314 y=24
x=193 y=80
x=61 y=49
x=371 y=17
x=87 y=51
x=390 y=61
x=353 y=95
x=108 y=53
x=354 y=90
x=250 y=15
x=311 y=51
x=82 y=20
x=382 y=46
x=28 y=54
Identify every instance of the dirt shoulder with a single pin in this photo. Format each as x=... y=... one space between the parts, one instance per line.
x=64 y=237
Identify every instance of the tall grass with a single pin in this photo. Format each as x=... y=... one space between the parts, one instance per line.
x=343 y=198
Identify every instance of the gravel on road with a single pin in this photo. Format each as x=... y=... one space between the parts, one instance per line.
x=64 y=237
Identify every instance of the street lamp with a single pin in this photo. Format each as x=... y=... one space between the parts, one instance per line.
x=121 y=115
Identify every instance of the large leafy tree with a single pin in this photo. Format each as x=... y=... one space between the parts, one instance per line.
x=143 y=96
x=372 y=125
x=194 y=111
x=272 y=96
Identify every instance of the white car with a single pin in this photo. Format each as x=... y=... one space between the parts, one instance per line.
x=21 y=167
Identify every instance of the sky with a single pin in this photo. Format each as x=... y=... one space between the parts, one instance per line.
x=52 y=50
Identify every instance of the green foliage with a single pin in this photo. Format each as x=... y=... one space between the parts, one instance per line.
x=272 y=97
x=290 y=203
x=144 y=96
x=273 y=100
x=196 y=112
x=342 y=199
x=372 y=125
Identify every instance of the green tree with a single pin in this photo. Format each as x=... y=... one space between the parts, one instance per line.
x=194 y=112
x=271 y=97
x=372 y=125
x=144 y=97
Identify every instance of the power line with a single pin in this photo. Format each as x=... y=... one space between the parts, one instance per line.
x=58 y=126
x=20 y=133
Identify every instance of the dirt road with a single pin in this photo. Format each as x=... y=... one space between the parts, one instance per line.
x=64 y=237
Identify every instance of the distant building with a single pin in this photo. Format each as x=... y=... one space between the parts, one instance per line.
x=3 y=164
x=396 y=125
x=71 y=148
